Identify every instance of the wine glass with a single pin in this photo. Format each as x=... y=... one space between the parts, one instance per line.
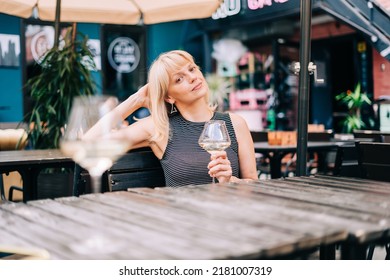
x=214 y=137
x=96 y=150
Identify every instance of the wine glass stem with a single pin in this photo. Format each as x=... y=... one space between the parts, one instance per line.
x=96 y=181
x=213 y=180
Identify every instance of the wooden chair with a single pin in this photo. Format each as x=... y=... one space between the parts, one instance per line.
x=262 y=163
x=374 y=160
x=259 y=136
x=374 y=163
x=346 y=162
x=12 y=137
x=137 y=168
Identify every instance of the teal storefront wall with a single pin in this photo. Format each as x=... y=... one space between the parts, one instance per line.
x=11 y=93
x=93 y=32
x=163 y=37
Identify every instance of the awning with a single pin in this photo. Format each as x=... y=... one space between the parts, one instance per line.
x=364 y=15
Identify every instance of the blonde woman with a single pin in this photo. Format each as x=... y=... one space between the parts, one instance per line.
x=177 y=97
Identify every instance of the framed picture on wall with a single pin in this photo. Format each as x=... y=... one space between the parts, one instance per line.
x=9 y=50
x=39 y=39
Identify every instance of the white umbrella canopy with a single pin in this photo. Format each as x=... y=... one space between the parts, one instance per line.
x=113 y=11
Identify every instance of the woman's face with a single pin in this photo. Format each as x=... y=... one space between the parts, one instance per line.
x=187 y=84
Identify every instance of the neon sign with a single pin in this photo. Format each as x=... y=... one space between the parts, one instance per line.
x=227 y=8
x=258 y=4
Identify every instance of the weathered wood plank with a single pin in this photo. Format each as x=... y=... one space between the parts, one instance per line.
x=32 y=233
x=193 y=225
x=370 y=187
x=128 y=241
x=324 y=196
x=276 y=218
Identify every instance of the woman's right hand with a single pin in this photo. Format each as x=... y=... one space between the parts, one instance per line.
x=219 y=166
x=142 y=96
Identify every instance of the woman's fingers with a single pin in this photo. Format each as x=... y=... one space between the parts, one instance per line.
x=220 y=168
x=218 y=154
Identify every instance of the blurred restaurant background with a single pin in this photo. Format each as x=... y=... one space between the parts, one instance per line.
x=246 y=50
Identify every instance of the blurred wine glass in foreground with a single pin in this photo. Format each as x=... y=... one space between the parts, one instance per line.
x=214 y=137
x=96 y=151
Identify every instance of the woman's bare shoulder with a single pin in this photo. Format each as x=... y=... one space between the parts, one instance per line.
x=237 y=120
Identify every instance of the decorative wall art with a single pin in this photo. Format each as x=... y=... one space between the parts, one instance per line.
x=9 y=50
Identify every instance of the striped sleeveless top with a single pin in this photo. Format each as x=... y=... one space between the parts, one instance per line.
x=184 y=161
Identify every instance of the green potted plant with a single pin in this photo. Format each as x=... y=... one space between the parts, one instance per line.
x=65 y=74
x=354 y=100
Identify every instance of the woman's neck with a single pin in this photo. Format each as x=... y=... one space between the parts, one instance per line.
x=197 y=114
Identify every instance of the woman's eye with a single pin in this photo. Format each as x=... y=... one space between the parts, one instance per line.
x=178 y=80
x=192 y=69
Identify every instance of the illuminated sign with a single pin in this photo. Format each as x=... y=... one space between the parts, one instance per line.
x=258 y=4
x=233 y=7
x=123 y=55
x=227 y=8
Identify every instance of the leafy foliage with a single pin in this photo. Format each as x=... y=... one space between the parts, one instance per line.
x=219 y=89
x=65 y=73
x=354 y=101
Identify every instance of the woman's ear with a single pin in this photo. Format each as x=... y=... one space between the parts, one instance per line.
x=169 y=99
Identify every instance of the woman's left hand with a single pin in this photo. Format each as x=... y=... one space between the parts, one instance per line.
x=219 y=166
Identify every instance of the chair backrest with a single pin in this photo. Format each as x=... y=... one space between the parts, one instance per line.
x=259 y=136
x=346 y=162
x=2 y=192
x=374 y=160
x=320 y=136
x=386 y=138
x=137 y=168
x=375 y=135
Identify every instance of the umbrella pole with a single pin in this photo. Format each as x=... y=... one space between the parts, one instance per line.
x=304 y=84
x=57 y=24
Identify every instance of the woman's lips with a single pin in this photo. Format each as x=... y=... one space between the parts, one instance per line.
x=198 y=86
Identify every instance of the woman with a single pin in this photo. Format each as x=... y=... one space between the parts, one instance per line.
x=177 y=98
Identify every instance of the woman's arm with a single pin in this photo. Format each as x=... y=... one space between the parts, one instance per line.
x=122 y=111
x=220 y=167
x=246 y=150
x=133 y=102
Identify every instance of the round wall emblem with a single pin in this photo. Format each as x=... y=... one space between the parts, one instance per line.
x=40 y=44
x=123 y=55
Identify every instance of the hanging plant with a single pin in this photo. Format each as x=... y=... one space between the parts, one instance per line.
x=354 y=100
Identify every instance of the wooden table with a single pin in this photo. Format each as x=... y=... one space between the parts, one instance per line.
x=354 y=199
x=29 y=163
x=273 y=219
x=275 y=153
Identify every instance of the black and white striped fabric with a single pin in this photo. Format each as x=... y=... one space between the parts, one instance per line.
x=184 y=161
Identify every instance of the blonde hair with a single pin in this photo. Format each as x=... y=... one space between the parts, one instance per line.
x=158 y=81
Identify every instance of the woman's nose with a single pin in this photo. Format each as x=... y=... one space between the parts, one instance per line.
x=192 y=77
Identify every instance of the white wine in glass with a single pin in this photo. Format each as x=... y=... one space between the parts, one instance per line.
x=214 y=137
x=97 y=152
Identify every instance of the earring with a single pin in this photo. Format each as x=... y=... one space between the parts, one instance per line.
x=173 y=108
